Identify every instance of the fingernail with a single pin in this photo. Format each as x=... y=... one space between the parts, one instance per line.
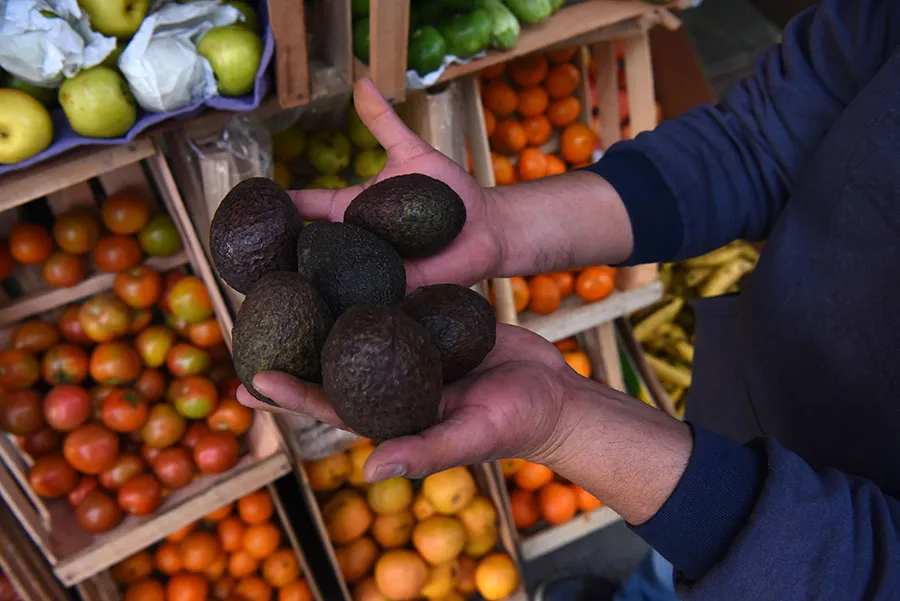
x=384 y=472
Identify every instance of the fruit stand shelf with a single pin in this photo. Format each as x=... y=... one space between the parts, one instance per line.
x=560 y=536
x=575 y=316
x=47 y=300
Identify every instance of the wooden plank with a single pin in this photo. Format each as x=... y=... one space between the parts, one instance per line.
x=288 y=530
x=288 y=21
x=28 y=572
x=600 y=344
x=607 y=83
x=336 y=27
x=15 y=462
x=388 y=39
x=42 y=179
x=639 y=83
x=551 y=539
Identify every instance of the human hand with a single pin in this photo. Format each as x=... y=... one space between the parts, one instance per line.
x=476 y=252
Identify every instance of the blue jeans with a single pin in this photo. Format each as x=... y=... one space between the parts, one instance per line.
x=650 y=581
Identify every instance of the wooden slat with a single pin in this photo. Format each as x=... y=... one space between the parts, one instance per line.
x=600 y=344
x=551 y=539
x=288 y=530
x=607 y=82
x=288 y=21
x=335 y=29
x=388 y=39
x=15 y=461
x=23 y=564
x=639 y=83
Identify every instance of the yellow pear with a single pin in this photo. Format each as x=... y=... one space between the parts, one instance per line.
x=478 y=515
x=391 y=495
x=441 y=579
x=483 y=542
x=450 y=491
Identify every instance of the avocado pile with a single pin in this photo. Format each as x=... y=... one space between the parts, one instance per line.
x=327 y=303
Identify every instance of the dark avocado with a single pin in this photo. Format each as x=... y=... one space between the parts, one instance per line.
x=461 y=323
x=417 y=214
x=382 y=373
x=254 y=232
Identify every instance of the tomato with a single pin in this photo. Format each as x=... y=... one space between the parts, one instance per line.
x=217 y=452
x=70 y=326
x=66 y=407
x=91 y=448
x=124 y=410
x=194 y=397
x=195 y=432
x=115 y=363
x=98 y=513
x=116 y=252
x=149 y=454
x=172 y=278
x=81 y=490
x=77 y=231
x=21 y=413
x=63 y=270
x=164 y=426
x=140 y=287
x=186 y=360
x=141 y=495
x=104 y=318
x=41 y=443
x=125 y=212
x=206 y=333
x=34 y=336
x=65 y=364
x=52 y=477
x=7 y=263
x=177 y=324
x=30 y=243
x=174 y=467
x=231 y=416
x=18 y=369
x=160 y=238
x=125 y=468
x=228 y=388
x=153 y=345
x=189 y=300
x=152 y=384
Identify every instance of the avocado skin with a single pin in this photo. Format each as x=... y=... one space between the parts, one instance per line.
x=417 y=214
x=350 y=266
x=382 y=373
x=461 y=323
x=253 y=232
x=281 y=325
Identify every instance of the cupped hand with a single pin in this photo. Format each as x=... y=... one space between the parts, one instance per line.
x=511 y=405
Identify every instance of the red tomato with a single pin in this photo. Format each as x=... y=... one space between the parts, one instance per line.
x=21 y=413
x=91 y=448
x=52 y=477
x=98 y=513
x=125 y=212
x=115 y=363
x=34 y=336
x=194 y=397
x=65 y=364
x=140 y=287
x=77 y=231
x=152 y=384
x=172 y=278
x=164 y=426
x=216 y=452
x=174 y=467
x=7 y=263
x=70 y=326
x=124 y=410
x=206 y=333
x=230 y=416
x=187 y=360
x=177 y=324
x=104 y=318
x=195 y=432
x=63 y=270
x=140 y=319
x=81 y=490
x=41 y=443
x=30 y=243
x=18 y=370
x=125 y=468
x=189 y=300
x=154 y=343
x=141 y=495
x=149 y=454
x=66 y=407
x=116 y=252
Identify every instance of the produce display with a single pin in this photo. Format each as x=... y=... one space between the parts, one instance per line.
x=238 y=551
x=402 y=539
x=7 y=591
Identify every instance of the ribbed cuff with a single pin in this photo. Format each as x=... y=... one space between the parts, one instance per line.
x=655 y=219
x=710 y=505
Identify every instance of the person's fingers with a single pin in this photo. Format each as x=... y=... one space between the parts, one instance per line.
x=397 y=139
x=329 y=205
x=291 y=395
x=515 y=343
x=452 y=264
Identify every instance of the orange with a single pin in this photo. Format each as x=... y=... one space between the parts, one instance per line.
x=567 y=344
x=241 y=564
x=30 y=243
x=490 y=122
x=295 y=591
x=500 y=98
x=439 y=539
x=595 y=283
x=561 y=56
x=231 y=533
x=558 y=503
x=356 y=559
x=504 y=172
x=168 y=558
x=532 y=101
x=585 y=500
x=219 y=514
x=255 y=507
x=261 y=540
x=217 y=568
x=281 y=568
x=620 y=49
x=623 y=105
x=253 y=588
x=529 y=70
x=521 y=293
x=578 y=361
x=450 y=490
x=544 y=295
x=532 y=164
x=223 y=587
x=496 y=577
x=532 y=476
x=509 y=467
x=509 y=137
x=562 y=80
x=555 y=165
x=525 y=511
x=367 y=590
x=347 y=516
x=199 y=550
x=400 y=574
x=564 y=280
x=493 y=71
x=538 y=129
x=187 y=587
x=564 y=111
x=145 y=590
x=577 y=143
x=465 y=575
x=328 y=473
x=392 y=530
x=137 y=567
x=659 y=113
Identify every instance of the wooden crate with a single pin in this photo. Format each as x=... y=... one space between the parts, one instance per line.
x=24 y=566
x=65 y=183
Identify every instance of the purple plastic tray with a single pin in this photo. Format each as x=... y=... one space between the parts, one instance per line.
x=66 y=139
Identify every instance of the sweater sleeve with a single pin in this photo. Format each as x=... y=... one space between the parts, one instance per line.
x=723 y=172
x=809 y=534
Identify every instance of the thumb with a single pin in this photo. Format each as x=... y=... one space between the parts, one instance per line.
x=398 y=140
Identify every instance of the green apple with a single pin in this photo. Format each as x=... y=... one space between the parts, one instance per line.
x=46 y=96
x=359 y=8
x=282 y=175
x=369 y=163
x=250 y=21
x=112 y=59
x=98 y=103
x=329 y=152
x=120 y=18
x=358 y=131
x=25 y=126
x=234 y=53
x=328 y=182
x=289 y=144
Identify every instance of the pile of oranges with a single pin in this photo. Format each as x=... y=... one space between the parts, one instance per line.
x=525 y=101
x=115 y=240
x=403 y=540
x=236 y=552
x=543 y=293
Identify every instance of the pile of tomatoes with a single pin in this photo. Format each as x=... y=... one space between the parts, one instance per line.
x=235 y=552
x=78 y=240
x=125 y=397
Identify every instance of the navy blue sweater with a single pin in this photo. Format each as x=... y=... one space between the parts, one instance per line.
x=792 y=488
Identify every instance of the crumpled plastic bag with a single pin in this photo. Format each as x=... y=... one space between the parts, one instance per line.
x=161 y=63
x=414 y=81
x=46 y=41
